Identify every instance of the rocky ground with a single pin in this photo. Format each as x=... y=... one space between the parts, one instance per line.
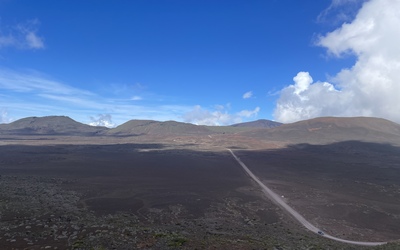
x=40 y=213
x=139 y=197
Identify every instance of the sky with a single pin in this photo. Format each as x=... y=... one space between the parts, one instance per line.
x=203 y=62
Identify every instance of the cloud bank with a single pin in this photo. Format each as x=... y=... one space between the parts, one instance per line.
x=371 y=87
x=218 y=116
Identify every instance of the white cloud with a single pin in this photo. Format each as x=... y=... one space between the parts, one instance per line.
x=22 y=36
x=247 y=95
x=79 y=101
x=31 y=93
x=371 y=87
x=249 y=113
x=340 y=11
x=4 y=118
x=32 y=81
x=303 y=81
x=136 y=98
x=104 y=120
x=305 y=99
x=201 y=116
x=33 y=41
x=6 y=41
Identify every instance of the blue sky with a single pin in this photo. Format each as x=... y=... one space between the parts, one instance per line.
x=204 y=62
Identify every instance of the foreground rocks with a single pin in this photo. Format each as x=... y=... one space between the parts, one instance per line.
x=41 y=213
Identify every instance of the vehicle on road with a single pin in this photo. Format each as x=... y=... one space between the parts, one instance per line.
x=320 y=233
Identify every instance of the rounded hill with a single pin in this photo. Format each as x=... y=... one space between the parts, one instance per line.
x=49 y=125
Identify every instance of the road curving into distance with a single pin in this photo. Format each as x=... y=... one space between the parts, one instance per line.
x=281 y=203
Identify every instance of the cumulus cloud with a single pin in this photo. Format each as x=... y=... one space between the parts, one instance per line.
x=371 y=87
x=22 y=36
x=104 y=120
x=302 y=82
x=218 y=116
x=307 y=99
x=247 y=95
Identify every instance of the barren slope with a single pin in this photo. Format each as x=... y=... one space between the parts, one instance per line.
x=262 y=123
x=49 y=125
x=149 y=127
x=333 y=129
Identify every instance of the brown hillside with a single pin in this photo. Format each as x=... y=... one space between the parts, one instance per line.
x=333 y=129
x=49 y=125
x=149 y=127
x=262 y=123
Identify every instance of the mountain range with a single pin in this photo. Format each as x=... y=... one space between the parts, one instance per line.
x=323 y=130
x=317 y=130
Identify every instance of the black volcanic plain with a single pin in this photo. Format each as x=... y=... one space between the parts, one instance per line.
x=169 y=185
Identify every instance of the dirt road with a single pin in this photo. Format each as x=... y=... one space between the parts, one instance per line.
x=281 y=203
